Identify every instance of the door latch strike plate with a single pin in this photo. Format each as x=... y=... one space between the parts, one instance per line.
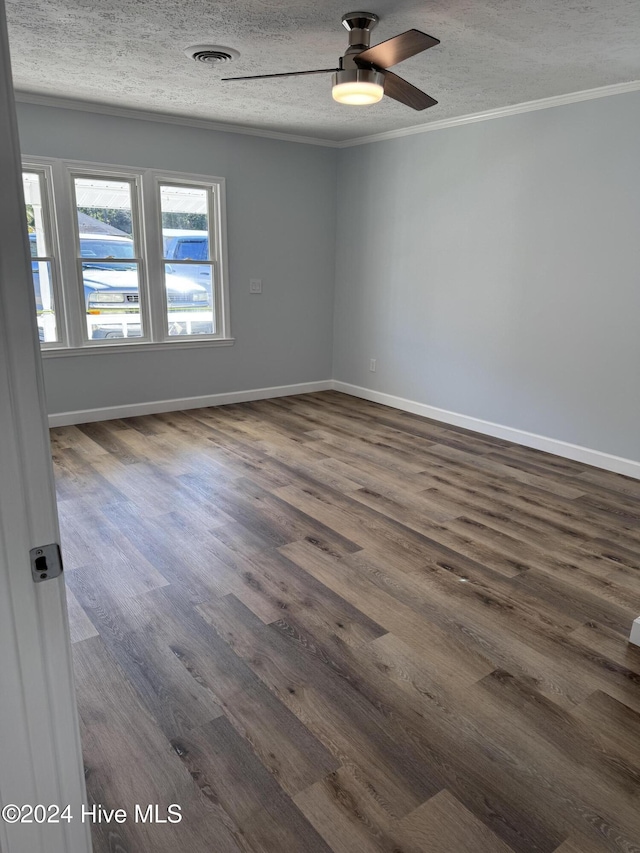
x=46 y=562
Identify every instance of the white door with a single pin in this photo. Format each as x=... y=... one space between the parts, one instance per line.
x=40 y=756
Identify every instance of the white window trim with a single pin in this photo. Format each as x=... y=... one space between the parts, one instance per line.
x=50 y=223
x=216 y=216
x=65 y=233
x=144 y=346
x=134 y=178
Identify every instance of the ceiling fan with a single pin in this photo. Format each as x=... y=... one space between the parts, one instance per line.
x=363 y=75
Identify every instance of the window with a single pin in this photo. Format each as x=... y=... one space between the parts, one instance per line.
x=108 y=256
x=141 y=256
x=186 y=212
x=44 y=266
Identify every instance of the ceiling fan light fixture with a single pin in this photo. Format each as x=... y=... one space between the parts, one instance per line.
x=358 y=87
x=362 y=76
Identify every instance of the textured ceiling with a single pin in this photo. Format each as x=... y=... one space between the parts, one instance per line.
x=494 y=53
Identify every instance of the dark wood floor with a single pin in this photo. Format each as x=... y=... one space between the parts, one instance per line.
x=319 y=624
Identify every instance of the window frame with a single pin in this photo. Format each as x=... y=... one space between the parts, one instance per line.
x=49 y=224
x=134 y=179
x=217 y=246
x=150 y=257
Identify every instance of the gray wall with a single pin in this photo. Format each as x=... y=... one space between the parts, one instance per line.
x=494 y=270
x=281 y=228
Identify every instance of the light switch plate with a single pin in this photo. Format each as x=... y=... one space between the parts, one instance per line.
x=255 y=285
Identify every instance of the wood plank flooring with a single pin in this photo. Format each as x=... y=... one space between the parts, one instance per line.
x=319 y=624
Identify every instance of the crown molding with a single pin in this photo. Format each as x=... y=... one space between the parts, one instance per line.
x=220 y=127
x=499 y=112
x=165 y=118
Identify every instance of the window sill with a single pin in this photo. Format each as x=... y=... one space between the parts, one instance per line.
x=143 y=346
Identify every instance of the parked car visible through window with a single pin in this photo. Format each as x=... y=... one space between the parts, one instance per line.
x=192 y=246
x=112 y=288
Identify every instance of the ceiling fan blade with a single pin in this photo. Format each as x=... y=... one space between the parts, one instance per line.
x=395 y=49
x=400 y=90
x=285 y=74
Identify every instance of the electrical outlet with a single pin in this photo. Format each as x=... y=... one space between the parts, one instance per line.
x=372 y=365
x=255 y=285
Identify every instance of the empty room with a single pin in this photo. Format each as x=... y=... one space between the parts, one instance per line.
x=320 y=407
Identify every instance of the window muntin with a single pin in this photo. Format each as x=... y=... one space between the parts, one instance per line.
x=108 y=256
x=44 y=267
x=186 y=213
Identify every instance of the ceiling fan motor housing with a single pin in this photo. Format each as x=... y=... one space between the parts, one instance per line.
x=358 y=75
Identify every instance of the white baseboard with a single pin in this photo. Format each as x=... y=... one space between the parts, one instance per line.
x=132 y=410
x=635 y=632
x=597 y=458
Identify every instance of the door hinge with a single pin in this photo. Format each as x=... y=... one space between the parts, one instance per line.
x=46 y=562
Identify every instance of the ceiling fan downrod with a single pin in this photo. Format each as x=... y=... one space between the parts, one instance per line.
x=359 y=26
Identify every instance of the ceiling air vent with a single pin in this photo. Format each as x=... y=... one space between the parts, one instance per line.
x=209 y=54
